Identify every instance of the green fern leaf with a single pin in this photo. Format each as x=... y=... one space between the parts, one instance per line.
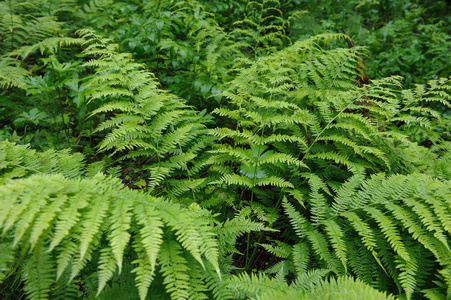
x=336 y=236
x=174 y=268
x=151 y=231
x=186 y=228
x=107 y=266
x=37 y=275
x=91 y=224
x=145 y=272
x=119 y=236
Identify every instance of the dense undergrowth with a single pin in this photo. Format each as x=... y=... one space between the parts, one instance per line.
x=236 y=150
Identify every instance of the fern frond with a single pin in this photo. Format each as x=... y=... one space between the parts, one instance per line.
x=336 y=236
x=107 y=266
x=197 y=285
x=390 y=232
x=365 y=232
x=189 y=233
x=48 y=213
x=145 y=122
x=174 y=269
x=281 y=250
x=407 y=277
x=144 y=274
x=219 y=287
x=396 y=222
x=320 y=246
x=301 y=257
x=253 y=284
x=345 y=195
x=341 y=289
x=91 y=225
x=37 y=275
x=20 y=161
x=298 y=222
x=119 y=236
x=234 y=179
x=6 y=258
x=280 y=270
x=305 y=280
x=49 y=45
x=11 y=73
x=100 y=217
x=68 y=251
x=304 y=228
x=151 y=232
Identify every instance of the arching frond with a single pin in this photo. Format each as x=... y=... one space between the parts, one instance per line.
x=74 y=216
x=146 y=122
x=397 y=222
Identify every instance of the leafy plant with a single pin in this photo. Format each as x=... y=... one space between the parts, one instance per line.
x=309 y=286
x=154 y=128
x=408 y=38
x=19 y=161
x=308 y=181
x=66 y=223
x=399 y=222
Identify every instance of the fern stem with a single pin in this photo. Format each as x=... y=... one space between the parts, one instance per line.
x=249 y=259
x=318 y=136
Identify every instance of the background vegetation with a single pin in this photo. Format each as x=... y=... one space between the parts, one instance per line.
x=232 y=150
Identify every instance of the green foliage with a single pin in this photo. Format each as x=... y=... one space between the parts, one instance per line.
x=153 y=127
x=407 y=37
x=297 y=111
x=400 y=223
x=48 y=86
x=66 y=224
x=309 y=180
x=342 y=288
x=19 y=161
x=21 y=29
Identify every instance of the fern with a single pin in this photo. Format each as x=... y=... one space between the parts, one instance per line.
x=17 y=27
x=398 y=224
x=231 y=229
x=11 y=73
x=19 y=161
x=146 y=123
x=342 y=288
x=260 y=287
x=264 y=28
x=23 y=33
x=174 y=268
x=295 y=130
x=299 y=110
x=37 y=275
x=77 y=218
x=262 y=116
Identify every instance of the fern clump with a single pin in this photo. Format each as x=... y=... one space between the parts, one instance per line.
x=289 y=116
x=23 y=32
x=390 y=232
x=146 y=125
x=299 y=110
x=298 y=125
x=58 y=225
x=19 y=161
x=264 y=30
x=323 y=183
